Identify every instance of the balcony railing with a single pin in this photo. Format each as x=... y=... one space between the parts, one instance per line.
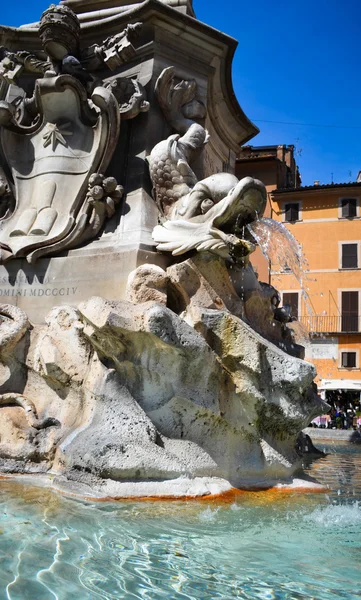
x=337 y=324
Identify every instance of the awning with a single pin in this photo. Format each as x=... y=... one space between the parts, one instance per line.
x=340 y=384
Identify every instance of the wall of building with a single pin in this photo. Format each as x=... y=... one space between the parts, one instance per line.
x=321 y=230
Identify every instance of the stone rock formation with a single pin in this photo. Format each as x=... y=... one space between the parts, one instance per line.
x=171 y=391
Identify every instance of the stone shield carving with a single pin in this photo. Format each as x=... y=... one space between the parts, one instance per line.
x=51 y=163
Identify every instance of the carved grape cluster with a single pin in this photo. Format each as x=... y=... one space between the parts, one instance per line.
x=105 y=190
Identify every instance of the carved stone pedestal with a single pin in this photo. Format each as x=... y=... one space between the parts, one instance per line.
x=167 y=37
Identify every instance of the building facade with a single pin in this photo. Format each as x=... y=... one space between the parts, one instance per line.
x=326 y=222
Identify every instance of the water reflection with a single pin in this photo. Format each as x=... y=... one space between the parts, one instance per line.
x=257 y=545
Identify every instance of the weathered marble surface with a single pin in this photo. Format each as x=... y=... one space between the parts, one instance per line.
x=171 y=390
x=168 y=37
x=197 y=214
x=95 y=12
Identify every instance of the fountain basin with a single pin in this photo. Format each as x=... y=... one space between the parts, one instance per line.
x=249 y=545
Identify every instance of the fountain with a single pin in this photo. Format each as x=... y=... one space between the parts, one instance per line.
x=185 y=380
x=140 y=357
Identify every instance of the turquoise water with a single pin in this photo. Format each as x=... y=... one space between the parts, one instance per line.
x=258 y=545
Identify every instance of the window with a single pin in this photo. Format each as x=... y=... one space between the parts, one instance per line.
x=292 y=212
x=349 y=311
x=349 y=256
x=291 y=299
x=348 y=360
x=348 y=208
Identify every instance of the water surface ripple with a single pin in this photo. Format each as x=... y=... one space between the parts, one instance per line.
x=261 y=545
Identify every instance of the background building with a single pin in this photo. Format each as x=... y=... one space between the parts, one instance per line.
x=326 y=222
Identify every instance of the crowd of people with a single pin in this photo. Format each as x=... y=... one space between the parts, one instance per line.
x=341 y=416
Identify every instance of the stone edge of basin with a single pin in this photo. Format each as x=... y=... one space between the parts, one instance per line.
x=333 y=435
x=181 y=489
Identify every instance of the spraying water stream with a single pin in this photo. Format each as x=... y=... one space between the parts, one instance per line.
x=283 y=252
x=279 y=247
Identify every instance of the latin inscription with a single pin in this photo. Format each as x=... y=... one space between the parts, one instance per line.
x=32 y=286
x=38 y=292
x=22 y=278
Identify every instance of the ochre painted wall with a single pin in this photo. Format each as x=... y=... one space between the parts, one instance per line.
x=320 y=231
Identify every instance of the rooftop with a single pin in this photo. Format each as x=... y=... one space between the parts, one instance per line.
x=306 y=188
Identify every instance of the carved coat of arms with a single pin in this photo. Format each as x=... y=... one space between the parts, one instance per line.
x=57 y=145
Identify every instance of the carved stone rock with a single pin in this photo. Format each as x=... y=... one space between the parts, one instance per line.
x=148 y=283
x=202 y=281
x=173 y=383
x=14 y=324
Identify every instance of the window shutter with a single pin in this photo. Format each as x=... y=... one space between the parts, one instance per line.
x=349 y=311
x=351 y=361
x=349 y=256
x=348 y=360
x=349 y=208
x=291 y=212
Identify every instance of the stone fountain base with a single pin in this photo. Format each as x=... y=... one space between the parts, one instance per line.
x=170 y=393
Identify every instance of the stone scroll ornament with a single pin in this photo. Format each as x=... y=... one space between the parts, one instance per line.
x=57 y=145
x=207 y=215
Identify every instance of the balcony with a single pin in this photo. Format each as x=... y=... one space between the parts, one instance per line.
x=336 y=324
